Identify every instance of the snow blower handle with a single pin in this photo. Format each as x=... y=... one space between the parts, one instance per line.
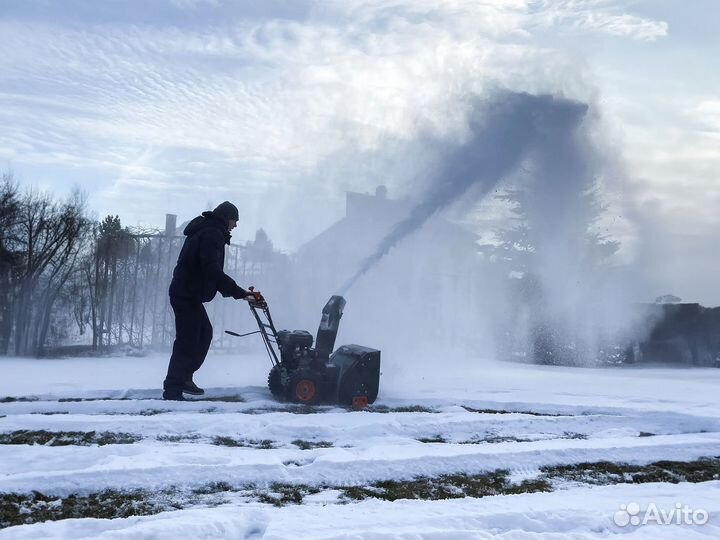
x=255 y=298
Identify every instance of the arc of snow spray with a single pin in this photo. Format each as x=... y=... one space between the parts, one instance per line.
x=502 y=130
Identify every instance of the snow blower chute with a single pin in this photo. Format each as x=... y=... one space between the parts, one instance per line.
x=302 y=374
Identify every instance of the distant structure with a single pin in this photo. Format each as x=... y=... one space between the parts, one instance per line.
x=429 y=278
x=367 y=219
x=170 y=224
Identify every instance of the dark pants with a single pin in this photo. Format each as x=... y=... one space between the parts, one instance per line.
x=193 y=334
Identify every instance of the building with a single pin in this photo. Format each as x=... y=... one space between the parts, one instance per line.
x=421 y=291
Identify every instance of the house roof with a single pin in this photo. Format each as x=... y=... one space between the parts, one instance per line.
x=369 y=218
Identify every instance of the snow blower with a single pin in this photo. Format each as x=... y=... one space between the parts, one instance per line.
x=349 y=376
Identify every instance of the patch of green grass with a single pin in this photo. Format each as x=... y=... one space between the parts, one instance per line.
x=152 y=412
x=501 y=411
x=497 y=482
x=243 y=443
x=212 y=488
x=27 y=508
x=21 y=399
x=293 y=409
x=413 y=409
x=495 y=439
x=452 y=486
x=535 y=485
x=67 y=438
x=227 y=399
x=401 y=409
x=604 y=472
x=303 y=409
x=434 y=439
x=144 y=412
x=228 y=441
x=104 y=398
x=20 y=509
x=178 y=438
x=309 y=445
x=377 y=408
x=284 y=494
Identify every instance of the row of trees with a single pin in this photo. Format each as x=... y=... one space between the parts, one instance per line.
x=49 y=259
x=67 y=279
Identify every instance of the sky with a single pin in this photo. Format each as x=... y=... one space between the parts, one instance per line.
x=172 y=106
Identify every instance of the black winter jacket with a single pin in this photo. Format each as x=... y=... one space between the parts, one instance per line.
x=199 y=271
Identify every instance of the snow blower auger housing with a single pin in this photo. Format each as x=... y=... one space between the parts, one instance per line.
x=349 y=376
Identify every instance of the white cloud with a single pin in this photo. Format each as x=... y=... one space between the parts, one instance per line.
x=270 y=99
x=604 y=16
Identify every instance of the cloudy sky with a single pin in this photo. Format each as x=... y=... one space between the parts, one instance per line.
x=159 y=106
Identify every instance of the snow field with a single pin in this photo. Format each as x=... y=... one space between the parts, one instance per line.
x=511 y=417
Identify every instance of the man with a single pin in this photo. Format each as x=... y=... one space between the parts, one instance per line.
x=197 y=278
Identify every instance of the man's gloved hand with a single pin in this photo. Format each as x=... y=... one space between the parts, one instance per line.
x=254 y=297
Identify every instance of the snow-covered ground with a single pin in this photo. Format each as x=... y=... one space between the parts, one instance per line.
x=459 y=418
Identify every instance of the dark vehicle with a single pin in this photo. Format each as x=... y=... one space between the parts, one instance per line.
x=678 y=333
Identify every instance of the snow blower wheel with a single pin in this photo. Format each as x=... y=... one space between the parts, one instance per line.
x=304 y=387
x=275 y=382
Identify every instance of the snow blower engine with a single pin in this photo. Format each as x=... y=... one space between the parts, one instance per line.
x=349 y=376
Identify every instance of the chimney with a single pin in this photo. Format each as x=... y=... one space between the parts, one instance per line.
x=170 y=224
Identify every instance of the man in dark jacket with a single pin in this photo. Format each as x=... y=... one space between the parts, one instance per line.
x=197 y=278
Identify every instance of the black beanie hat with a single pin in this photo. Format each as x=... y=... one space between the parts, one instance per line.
x=227 y=211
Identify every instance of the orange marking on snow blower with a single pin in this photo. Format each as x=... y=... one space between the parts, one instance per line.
x=359 y=402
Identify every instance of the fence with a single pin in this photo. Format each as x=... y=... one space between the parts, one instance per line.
x=132 y=275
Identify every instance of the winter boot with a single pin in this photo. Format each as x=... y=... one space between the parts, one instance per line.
x=191 y=388
x=173 y=395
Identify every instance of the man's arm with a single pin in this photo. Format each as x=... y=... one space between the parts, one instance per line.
x=211 y=252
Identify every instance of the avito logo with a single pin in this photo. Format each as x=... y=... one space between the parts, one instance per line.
x=681 y=514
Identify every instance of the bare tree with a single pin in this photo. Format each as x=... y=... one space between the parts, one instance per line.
x=49 y=239
x=9 y=207
x=64 y=264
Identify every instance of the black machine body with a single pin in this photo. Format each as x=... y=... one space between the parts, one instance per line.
x=305 y=374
